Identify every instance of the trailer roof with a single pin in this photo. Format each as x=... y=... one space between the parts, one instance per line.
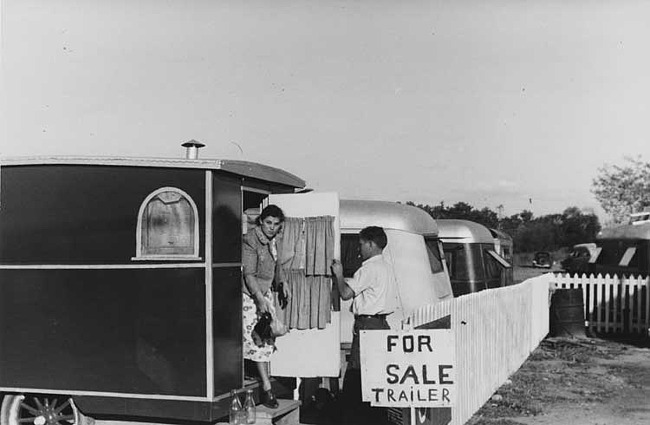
x=626 y=231
x=357 y=214
x=242 y=168
x=500 y=234
x=463 y=231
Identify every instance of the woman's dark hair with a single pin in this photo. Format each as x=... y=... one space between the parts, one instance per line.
x=374 y=234
x=271 y=211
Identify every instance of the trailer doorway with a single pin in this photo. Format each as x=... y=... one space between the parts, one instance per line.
x=252 y=200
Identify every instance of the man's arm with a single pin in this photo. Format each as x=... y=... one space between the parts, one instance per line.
x=345 y=291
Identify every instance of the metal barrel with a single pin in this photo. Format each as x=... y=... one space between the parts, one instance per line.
x=567 y=313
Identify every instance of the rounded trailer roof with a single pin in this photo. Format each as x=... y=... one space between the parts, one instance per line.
x=464 y=231
x=500 y=234
x=357 y=214
x=588 y=245
x=626 y=231
x=242 y=168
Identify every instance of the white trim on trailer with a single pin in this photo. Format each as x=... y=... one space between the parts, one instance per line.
x=255 y=190
x=209 y=341
x=112 y=266
x=167 y=258
x=104 y=394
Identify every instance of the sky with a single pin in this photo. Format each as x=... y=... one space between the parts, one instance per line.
x=513 y=103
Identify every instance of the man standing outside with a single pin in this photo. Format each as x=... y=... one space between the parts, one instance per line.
x=374 y=292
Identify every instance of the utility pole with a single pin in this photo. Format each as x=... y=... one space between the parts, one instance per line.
x=499 y=216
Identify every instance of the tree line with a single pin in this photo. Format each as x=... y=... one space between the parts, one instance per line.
x=620 y=190
x=529 y=233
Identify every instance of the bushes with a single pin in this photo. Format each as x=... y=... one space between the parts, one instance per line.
x=546 y=233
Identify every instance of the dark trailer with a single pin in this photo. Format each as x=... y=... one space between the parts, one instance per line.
x=473 y=263
x=120 y=285
x=622 y=250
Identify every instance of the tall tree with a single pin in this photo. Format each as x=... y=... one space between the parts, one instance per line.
x=577 y=227
x=623 y=189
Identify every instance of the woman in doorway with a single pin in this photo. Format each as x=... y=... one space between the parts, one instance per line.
x=259 y=259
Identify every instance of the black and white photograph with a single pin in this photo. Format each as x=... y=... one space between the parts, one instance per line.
x=324 y=212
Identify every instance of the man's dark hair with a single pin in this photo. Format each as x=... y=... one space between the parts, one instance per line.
x=271 y=211
x=374 y=234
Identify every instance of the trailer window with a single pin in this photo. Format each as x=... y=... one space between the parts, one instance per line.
x=495 y=264
x=595 y=256
x=456 y=259
x=611 y=252
x=433 y=252
x=492 y=268
x=502 y=261
x=167 y=226
x=464 y=261
x=350 y=254
x=506 y=253
x=627 y=256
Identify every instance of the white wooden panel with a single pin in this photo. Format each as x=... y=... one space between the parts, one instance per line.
x=311 y=352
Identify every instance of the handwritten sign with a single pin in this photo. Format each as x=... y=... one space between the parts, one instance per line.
x=408 y=368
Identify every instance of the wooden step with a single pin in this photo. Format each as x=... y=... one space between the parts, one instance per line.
x=287 y=413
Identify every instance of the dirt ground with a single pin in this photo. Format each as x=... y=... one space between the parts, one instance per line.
x=576 y=381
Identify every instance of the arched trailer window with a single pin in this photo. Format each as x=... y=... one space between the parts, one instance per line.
x=167 y=226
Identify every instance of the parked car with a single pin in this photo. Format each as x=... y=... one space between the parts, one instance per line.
x=543 y=259
x=578 y=259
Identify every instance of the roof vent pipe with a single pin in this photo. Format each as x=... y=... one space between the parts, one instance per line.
x=192 y=149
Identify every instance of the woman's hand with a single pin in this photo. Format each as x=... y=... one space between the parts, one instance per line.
x=283 y=294
x=261 y=303
x=337 y=268
x=285 y=291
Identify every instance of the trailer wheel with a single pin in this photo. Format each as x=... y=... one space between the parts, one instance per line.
x=41 y=409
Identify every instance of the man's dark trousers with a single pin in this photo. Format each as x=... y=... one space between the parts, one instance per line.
x=356 y=412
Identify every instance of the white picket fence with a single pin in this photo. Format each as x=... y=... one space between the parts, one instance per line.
x=611 y=303
x=495 y=332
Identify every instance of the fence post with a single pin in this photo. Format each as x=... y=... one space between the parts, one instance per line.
x=607 y=304
x=647 y=306
x=597 y=285
x=617 y=299
x=626 y=305
x=638 y=324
